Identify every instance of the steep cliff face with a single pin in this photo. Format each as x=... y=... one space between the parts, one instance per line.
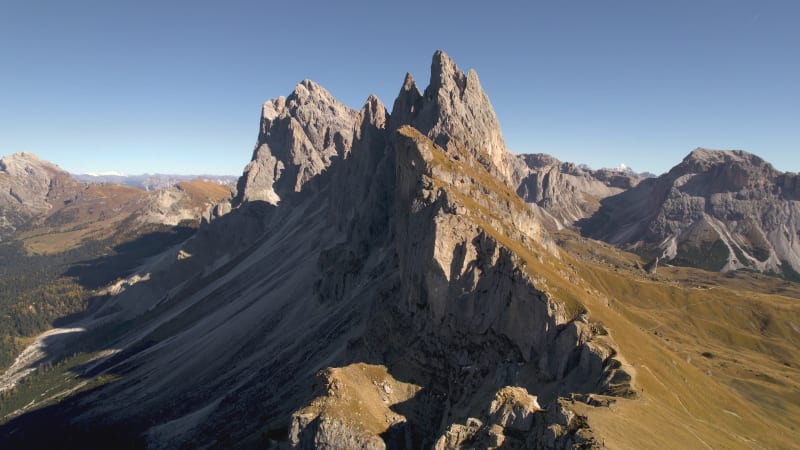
x=567 y=192
x=299 y=137
x=404 y=254
x=457 y=313
x=456 y=114
x=720 y=210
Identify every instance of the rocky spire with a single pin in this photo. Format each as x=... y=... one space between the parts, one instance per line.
x=454 y=112
x=407 y=103
x=298 y=138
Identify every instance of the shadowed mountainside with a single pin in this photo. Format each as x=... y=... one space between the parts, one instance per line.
x=389 y=288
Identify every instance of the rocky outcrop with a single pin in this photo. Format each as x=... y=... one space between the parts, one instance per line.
x=300 y=136
x=188 y=202
x=352 y=408
x=719 y=210
x=460 y=311
x=515 y=420
x=566 y=191
x=30 y=188
x=456 y=114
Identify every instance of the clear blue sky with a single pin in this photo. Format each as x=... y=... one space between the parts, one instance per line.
x=177 y=86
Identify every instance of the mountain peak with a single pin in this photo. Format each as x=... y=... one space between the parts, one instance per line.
x=455 y=113
x=702 y=160
x=710 y=156
x=373 y=112
x=23 y=162
x=445 y=73
x=29 y=187
x=374 y=105
x=308 y=90
x=409 y=83
x=300 y=135
x=21 y=156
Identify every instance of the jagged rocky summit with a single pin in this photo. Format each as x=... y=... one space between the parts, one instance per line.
x=386 y=280
x=566 y=191
x=300 y=135
x=37 y=194
x=719 y=210
x=379 y=284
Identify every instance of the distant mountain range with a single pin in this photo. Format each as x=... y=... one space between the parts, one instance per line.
x=41 y=204
x=150 y=182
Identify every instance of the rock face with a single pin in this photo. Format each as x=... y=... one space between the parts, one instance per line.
x=30 y=188
x=353 y=408
x=719 y=210
x=456 y=114
x=299 y=137
x=185 y=202
x=515 y=421
x=568 y=192
x=378 y=283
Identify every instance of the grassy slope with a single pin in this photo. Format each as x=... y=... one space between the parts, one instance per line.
x=363 y=394
x=202 y=192
x=716 y=356
x=96 y=214
x=101 y=209
x=740 y=395
x=491 y=205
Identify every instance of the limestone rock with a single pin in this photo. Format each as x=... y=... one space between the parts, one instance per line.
x=30 y=188
x=300 y=136
x=513 y=408
x=352 y=409
x=515 y=421
x=566 y=191
x=455 y=113
x=406 y=271
x=719 y=210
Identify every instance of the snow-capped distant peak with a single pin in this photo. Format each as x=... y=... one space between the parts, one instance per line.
x=112 y=173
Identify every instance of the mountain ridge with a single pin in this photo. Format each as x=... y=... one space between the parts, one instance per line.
x=51 y=211
x=720 y=210
x=149 y=182
x=389 y=288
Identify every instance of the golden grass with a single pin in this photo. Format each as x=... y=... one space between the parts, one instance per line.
x=361 y=394
x=739 y=395
x=100 y=208
x=716 y=356
x=202 y=192
x=491 y=205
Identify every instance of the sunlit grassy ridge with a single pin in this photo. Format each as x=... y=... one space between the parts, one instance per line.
x=498 y=211
x=715 y=354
